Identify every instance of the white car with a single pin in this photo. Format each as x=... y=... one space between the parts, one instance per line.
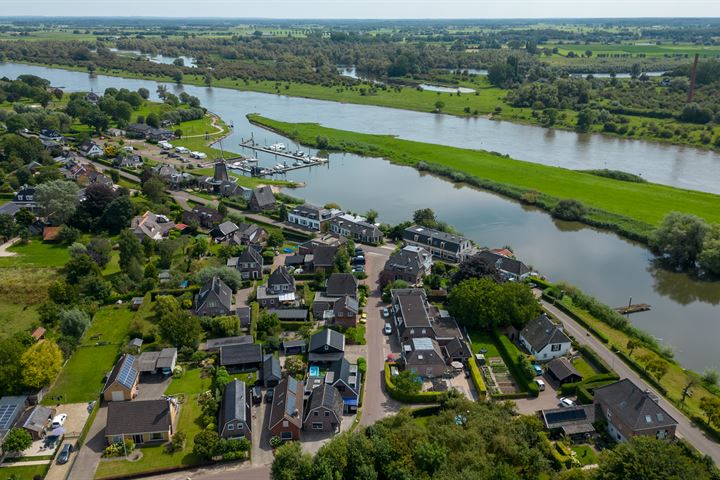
x=182 y=150
x=387 y=329
x=386 y=312
x=59 y=420
x=165 y=145
x=198 y=155
x=566 y=402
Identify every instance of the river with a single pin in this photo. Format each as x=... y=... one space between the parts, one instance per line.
x=684 y=312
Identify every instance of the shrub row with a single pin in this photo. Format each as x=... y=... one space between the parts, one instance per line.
x=706 y=427
x=293 y=326
x=506 y=348
x=395 y=394
x=640 y=370
x=594 y=381
x=175 y=292
x=254 y=316
x=477 y=379
x=570 y=313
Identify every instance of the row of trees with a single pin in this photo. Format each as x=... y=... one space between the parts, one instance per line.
x=686 y=242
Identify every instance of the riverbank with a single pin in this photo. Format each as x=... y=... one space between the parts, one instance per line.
x=628 y=208
x=488 y=101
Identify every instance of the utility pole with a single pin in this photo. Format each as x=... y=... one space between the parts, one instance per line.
x=693 y=76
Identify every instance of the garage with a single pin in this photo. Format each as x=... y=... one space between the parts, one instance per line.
x=118 y=396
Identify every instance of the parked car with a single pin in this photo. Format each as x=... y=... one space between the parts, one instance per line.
x=358 y=269
x=269 y=394
x=386 y=312
x=256 y=396
x=363 y=318
x=566 y=402
x=538 y=369
x=358 y=251
x=540 y=384
x=59 y=420
x=64 y=454
x=164 y=152
x=358 y=260
x=387 y=330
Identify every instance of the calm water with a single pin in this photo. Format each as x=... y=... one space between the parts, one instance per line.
x=159 y=58
x=685 y=313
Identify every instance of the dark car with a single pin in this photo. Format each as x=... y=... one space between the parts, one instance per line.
x=64 y=454
x=164 y=152
x=269 y=395
x=358 y=251
x=256 y=396
x=359 y=260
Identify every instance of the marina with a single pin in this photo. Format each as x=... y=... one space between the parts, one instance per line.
x=301 y=160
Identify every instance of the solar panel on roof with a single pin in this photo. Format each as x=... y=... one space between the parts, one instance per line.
x=7 y=415
x=128 y=373
x=566 y=416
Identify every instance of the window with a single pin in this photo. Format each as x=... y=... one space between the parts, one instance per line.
x=316 y=413
x=231 y=427
x=327 y=414
x=156 y=436
x=285 y=423
x=240 y=426
x=555 y=347
x=317 y=426
x=286 y=435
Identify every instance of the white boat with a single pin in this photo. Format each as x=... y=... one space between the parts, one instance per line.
x=251 y=160
x=277 y=147
x=299 y=163
x=307 y=160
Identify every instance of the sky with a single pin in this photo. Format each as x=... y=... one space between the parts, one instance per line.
x=366 y=9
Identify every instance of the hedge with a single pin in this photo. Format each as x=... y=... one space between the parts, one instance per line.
x=510 y=396
x=294 y=326
x=395 y=394
x=569 y=312
x=640 y=370
x=504 y=346
x=175 y=292
x=477 y=379
x=254 y=316
x=570 y=388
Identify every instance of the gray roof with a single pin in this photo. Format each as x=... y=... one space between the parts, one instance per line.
x=271 y=368
x=250 y=255
x=311 y=211
x=423 y=351
x=328 y=397
x=561 y=368
x=280 y=277
x=138 y=416
x=147 y=361
x=226 y=228
x=125 y=372
x=347 y=373
x=215 y=343
x=243 y=313
x=242 y=354
x=579 y=415
x=219 y=288
x=504 y=263
x=452 y=242
x=36 y=418
x=288 y=400
x=542 y=332
x=10 y=410
x=413 y=308
x=324 y=255
x=136 y=342
x=330 y=338
x=167 y=358
x=634 y=407
x=346 y=303
x=263 y=196
x=409 y=260
x=234 y=404
x=297 y=314
x=341 y=284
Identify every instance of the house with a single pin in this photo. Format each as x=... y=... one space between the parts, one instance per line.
x=220 y=183
x=290 y=314
x=204 y=216
x=249 y=263
x=50 y=134
x=214 y=344
x=235 y=415
x=136 y=303
x=142 y=421
x=271 y=373
x=345 y=311
x=152 y=226
x=326 y=240
x=324 y=410
x=410 y=264
x=115 y=132
x=631 y=411
x=562 y=371
x=326 y=346
x=223 y=231
x=162 y=362
x=424 y=358
x=262 y=199
x=357 y=228
x=294 y=347
x=174 y=179
x=544 y=339
x=508 y=267
x=129 y=161
x=89 y=149
x=279 y=290
x=442 y=245
x=346 y=378
x=573 y=422
x=324 y=258
x=248 y=234
x=242 y=357
x=338 y=303
x=311 y=217
x=213 y=299
x=10 y=410
x=456 y=350
x=415 y=317
x=92 y=97
x=143 y=130
x=122 y=383
x=36 y=421
x=298 y=261
x=286 y=410
x=244 y=316
x=341 y=285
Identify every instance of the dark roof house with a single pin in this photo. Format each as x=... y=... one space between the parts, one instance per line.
x=327 y=346
x=509 y=268
x=544 y=339
x=271 y=373
x=324 y=411
x=235 y=414
x=563 y=371
x=241 y=357
x=262 y=199
x=341 y=284
x=213 y=299
x=286 y=409
x=144 y=421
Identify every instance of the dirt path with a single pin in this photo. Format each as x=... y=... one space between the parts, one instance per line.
x=4 y=247
x=218 y=129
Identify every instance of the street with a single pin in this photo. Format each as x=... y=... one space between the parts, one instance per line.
x=685 y=428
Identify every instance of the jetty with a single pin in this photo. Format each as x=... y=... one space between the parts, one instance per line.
x=633 y=308
x=300 y=161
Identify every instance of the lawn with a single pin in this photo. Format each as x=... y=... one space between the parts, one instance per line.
x=81 y=380
x=155 y=457
x=110 y=324
x=585 y=454
x=38 y=254
x=646 y=203
x=190 y=383
x=16 y=318
x=23 y=473
x=583 y=367
x=483 y=341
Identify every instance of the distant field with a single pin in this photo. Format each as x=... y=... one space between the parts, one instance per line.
x=652 y=50
x=16 y=318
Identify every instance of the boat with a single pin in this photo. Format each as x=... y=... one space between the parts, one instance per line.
x=277 y=147
x=299 y=163
x=251 y=160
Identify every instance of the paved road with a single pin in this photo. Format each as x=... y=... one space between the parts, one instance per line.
x=685 y=428
x=376 y=404
x=90 y=453
x=244 y=472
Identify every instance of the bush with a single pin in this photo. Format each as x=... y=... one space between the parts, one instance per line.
x=405 y=397
x=571 y=210
x=476 y=377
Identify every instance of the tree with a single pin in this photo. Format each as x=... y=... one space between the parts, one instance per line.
x=100 y=250
x=11 y=351
x=74 y=322
x=80 y=266
x=98 y=196
x=153 y=120
x=711 y=408
x=585 y=119
x=429 y=456
x=41 y=363
x=407 y=382
x=154 y=189
x=199 y=248
x=439 y=105
x=268 y=325
x=371 y=215
x=654 y=365
x=7 y=227
x=679 y=239
x=130 y=249
x=475 y=267
x=181 y=330
x=57 y=199
x=571 y=210
x=650 y=459
x=632 y=344
x=709 y=257
x=144 y=93
x=17 y=440
x=275 y=238
x=711 y=376
x=295 y=366
x=118 y=214
x=425 y=217
x=205 y=444
x=291 y=463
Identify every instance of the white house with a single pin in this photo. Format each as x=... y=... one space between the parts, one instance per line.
x=544 y=339
x=310 y=216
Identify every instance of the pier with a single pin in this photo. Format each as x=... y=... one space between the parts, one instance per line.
x=262 y=172
x=634 y=308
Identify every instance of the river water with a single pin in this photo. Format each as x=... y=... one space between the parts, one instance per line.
x=684 y=312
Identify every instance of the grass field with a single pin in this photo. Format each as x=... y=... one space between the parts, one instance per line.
x=583 y=367
x=585 y=454
x=647 y=203
x=110 y=324
x=483 y=341
x=27 y=472
x=16 y=318
x=190 y=383
x=37 y=253
x=650 y=50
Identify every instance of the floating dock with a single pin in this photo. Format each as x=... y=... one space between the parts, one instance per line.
x=639 y=307
x=263 y=172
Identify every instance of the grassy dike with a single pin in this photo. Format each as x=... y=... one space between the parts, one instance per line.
x=628 y=208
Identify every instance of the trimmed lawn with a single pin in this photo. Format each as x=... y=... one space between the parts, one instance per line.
x=37 y=253
x=155 y=457
x=81 y=380
x=110 y=324
x=585 y=454
x=190 y=383
x=23 y=473
x=583 y=367
x=483 y=341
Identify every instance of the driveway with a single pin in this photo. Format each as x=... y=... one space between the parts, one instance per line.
x=261 y=451
x=376 y=404
x=546 y=400
x=685 y=429
x=89 y=456
x=313 y=441
x=152 y=387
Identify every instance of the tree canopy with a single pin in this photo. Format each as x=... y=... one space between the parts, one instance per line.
x=41 y=363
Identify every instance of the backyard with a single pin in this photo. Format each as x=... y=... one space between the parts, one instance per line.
x=23 y=472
